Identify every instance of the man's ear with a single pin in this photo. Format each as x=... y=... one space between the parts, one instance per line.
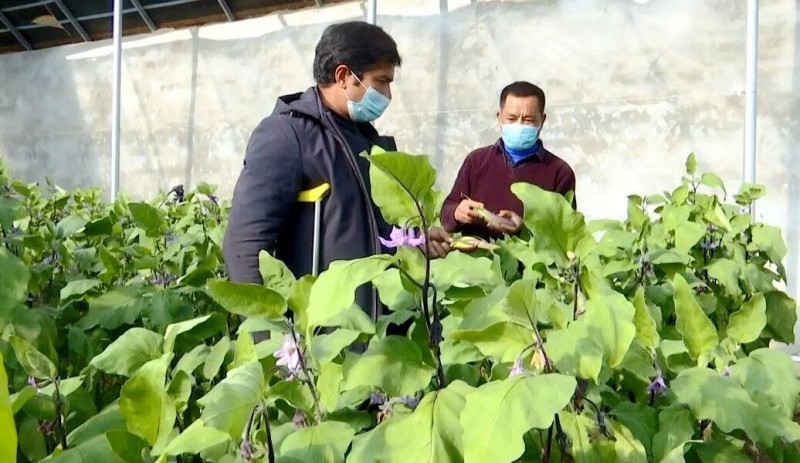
x=544 y=118
x=340 y=75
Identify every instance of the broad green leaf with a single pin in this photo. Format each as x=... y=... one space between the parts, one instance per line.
x=609 y=320
x=431 y=434
x=276 y=275
x=315 y=442
x=353 y=318
x=688 y=235
x=248 y=299
x=196 y=438
x=325 y=347
x=334 y=290
x=69 y=226
x=14 y=276
x=675 y=428
x=9 y=208
x=574 y=351
x=328 y=385
x=8 y=430
x=129 y=352
x=646 y=329
x=108 y=419
x=781 y=316
x=691 y=164
x=721 y=450
x=717 y=216
x=520 y=304
x=712 y=180
x=769 y=240
x=215 y=358
x=116 y=307
x=180 y=390
x=34 y=362
x=727 y=273
x=145 y=403
x=723 y=400
x=398 y=181
x=77 y=288
x=175 y=329
x=99 y=227
x=21 y=397
x=295 y=393
x=556 y=227
x=494 y=422
x=640 y=419
x=115 y=446
x=148 y=218
x=395 y=365
x=586 y=446
x=749 y=192
x=193 y=359
x=463 y=271
x=747 y=323
x=699 y=333
x=502 y=341
x=244 y=350
x=628 y=448
x=768 y=375
x=228 y=405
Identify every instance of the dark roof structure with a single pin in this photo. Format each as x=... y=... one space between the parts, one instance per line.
x=30 y=25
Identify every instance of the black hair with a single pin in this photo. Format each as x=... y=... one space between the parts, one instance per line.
x=522 y=89
x=356 y=44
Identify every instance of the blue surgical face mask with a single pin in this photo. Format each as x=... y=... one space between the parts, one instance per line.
x=519 y=136
x=371 y=106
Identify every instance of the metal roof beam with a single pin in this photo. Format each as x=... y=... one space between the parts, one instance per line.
x=15 y=32
x=72 y=20
x=228 y=13
x=144 y=15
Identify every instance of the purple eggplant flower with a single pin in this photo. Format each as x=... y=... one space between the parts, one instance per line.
x=517 y=368
x=709 y=245
x=32 y=382
x=247 y=450
x=658 y=386
x=403 y=237
x=299 y=420
x=408 y=401
x=289 y=355
x=376 y=398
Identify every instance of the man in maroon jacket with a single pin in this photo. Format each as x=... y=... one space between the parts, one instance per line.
x=487 y=174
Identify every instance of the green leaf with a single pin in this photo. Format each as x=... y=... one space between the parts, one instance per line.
x=295 y=393
x=394 y=364
x=723 y=400
x=8 y=430
x=502 y=341
x=145 y=403
x=77 y=288
x=129 y=352
x=116 y=446
x=193 y=359
x=180 y=390
x=328 y=384
x=699 y=333
x=196 y=438
x=276 y=275
x=769 y=240
x=397 y=181
x=747 y=323
x=148 y=218
x=325 y=347
x=556 y=227
x=69 y=226
x=108 y=419
x=768 y=375
x=641 y=420
x=118 y=306
x=749 y=192
x=248 y=299
x=14 y=276
x=314 y=443
x=629 y=449
x=712 y=180
x=691 y=164
x=215 y=358
x=688 y=235
x=727 y=273
x=174 y=330
x=334 y=290
x=34 y=362
x=675 y=428
x=244 y=350
x=646 y=328
x=585 y=447
x=721 y=450
x=431 y=434
x=781 y=316
x=494 y=423
x=463 y=270
x=99 y=227
x=609 y=320
x=574 y=351
x=228 y=405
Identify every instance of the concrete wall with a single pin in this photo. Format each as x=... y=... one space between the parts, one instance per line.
x=633 y=86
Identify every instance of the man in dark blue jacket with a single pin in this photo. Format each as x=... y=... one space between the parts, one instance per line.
x=315 y=137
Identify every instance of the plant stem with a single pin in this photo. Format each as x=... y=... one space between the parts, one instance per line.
x=410 y=278
x=561 y=437
x=248 y=429
x=437 y=325
x=309 y=381
x=548 y=365
x=270 y=448
x=549 y=448
x=59 y=416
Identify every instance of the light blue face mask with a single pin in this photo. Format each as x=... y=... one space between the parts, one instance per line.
x=371 y=106
x=520 y=137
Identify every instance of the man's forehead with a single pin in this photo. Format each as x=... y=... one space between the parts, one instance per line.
x=382 y=72
x=519 y=103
